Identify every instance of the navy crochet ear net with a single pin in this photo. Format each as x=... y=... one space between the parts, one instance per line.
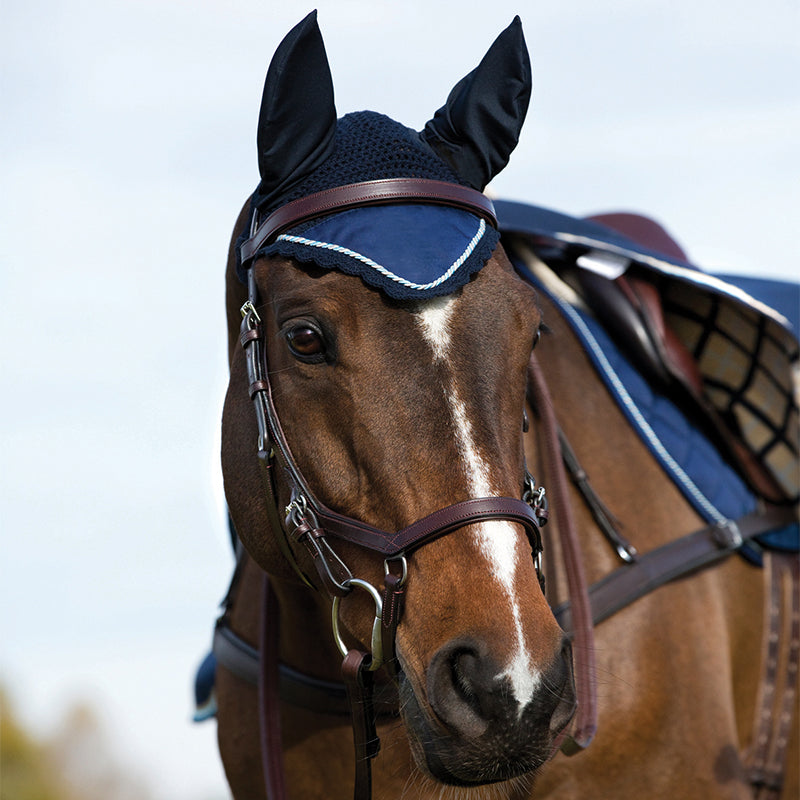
x=407 y=251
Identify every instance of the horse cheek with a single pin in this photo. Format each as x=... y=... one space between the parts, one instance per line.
x=244 y=487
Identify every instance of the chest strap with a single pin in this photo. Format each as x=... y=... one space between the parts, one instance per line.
x=674 y=560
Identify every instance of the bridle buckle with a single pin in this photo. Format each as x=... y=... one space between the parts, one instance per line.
x=376 y=644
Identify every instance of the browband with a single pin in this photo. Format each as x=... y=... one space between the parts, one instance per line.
x=368 y=193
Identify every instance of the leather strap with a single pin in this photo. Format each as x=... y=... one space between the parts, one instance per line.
x=766 y=759
x=605 y=519
x=585 y=723
x=437 y=524
x=368 y=193
x=676 y=559
x=269 y=701
x=234 y=653
x=358 y=680
x=294 y=687
x=394 y=595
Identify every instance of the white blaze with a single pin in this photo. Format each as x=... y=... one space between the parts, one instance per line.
x=496 y=539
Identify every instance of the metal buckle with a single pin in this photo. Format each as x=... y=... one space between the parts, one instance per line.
x=296 y=510
x=535 y=498
x=376 y=643
x=727 y=536
x=249 y=310
x=403 y=568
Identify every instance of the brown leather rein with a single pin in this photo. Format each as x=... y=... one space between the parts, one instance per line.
x=309 y=523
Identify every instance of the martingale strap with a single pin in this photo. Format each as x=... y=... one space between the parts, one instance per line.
x=585 y=723
x=367 y=193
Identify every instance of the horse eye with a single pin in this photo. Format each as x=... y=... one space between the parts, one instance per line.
x=305 y=342
x=538 y=335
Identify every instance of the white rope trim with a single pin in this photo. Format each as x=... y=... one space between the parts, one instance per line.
x=642 y=423
x=383 y=270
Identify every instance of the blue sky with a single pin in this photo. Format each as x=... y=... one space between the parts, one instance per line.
x=127 y=136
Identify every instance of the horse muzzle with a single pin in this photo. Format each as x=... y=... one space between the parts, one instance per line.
x=472 y=730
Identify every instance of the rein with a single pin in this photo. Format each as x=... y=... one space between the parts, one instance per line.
x=309 y=523
x=585 y=723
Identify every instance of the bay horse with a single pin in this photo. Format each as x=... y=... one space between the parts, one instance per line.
x=378 y=434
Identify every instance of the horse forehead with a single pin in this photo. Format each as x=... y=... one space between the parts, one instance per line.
x=468 y=326
x=435 y=320
x=480 y=324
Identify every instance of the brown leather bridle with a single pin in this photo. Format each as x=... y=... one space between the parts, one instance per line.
x=309 y=523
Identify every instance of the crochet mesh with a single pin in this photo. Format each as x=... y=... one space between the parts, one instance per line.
x=368 y=146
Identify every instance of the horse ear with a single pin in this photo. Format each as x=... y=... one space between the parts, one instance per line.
x=297 y=122
x=479 y=125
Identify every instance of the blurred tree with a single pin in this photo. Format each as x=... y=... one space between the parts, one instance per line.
x=24 y=772
x=76 y=763
x=80 y=753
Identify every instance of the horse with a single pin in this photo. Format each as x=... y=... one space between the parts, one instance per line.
x=379 y=435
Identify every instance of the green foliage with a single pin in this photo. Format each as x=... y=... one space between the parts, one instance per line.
x=25 y=771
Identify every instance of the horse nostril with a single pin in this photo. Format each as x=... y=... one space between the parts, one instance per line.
x=469 y=692
x=464 y=668
x=459 y=683
x=480 y=710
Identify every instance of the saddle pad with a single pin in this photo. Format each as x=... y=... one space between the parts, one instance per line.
x=696 y=467
x=743 y=363
x=746 y=351
x=205 y=701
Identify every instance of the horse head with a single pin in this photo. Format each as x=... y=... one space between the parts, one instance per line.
x=396 y=339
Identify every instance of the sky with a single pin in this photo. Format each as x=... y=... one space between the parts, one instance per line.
x=127 y=146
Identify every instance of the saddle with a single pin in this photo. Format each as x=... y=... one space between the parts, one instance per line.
x=723 y=357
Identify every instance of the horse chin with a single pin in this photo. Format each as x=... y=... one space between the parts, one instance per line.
x=484 y=759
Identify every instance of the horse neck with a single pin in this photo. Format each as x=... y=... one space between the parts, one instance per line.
x=620 y=468
x=306 y=641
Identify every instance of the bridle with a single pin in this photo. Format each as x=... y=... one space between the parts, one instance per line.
x=308 y=523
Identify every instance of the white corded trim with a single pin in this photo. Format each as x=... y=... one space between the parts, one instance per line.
x=383 y=270
x=636 y=414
